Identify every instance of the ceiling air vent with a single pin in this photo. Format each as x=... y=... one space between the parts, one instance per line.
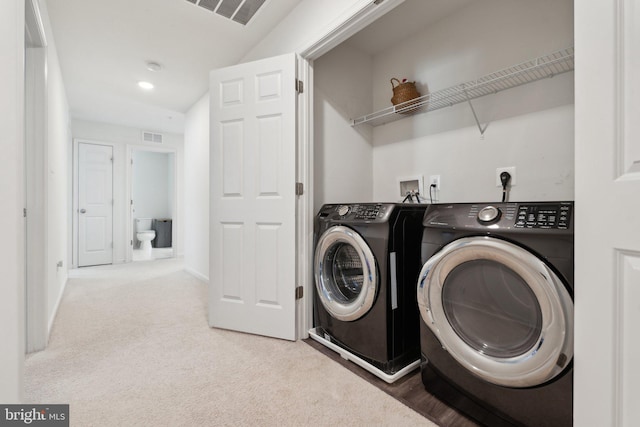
x=208 y=4
x=240 y=11
x=152 y=137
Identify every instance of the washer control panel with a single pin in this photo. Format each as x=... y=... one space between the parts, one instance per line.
x=361 y=212
x=343 y=210
x=368 y=212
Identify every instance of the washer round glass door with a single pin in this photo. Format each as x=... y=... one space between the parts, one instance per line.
x=345 y=273
x=500 y=311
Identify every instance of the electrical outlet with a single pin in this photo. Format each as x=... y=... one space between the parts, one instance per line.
x=435 y=179
x=434 y=189
x=512 y=172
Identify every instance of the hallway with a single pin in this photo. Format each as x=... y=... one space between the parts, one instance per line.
x=131 y=346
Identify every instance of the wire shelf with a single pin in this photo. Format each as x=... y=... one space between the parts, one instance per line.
x=546 y=66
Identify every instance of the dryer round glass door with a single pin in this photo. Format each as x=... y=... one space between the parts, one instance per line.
x=500 y=311
x=345 y=273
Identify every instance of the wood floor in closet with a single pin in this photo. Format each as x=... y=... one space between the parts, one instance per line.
x=408 y=390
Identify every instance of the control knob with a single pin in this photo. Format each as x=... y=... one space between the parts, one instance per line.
x=343 y=210
x=489 y=214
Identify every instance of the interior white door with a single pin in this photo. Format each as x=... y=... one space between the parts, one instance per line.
x=607 y=286
x=95 y=204
x=253 y=201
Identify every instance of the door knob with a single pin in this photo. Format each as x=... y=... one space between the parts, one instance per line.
x=83 y=210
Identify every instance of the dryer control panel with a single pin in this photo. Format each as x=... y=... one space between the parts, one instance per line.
x=501 y=216
x=543 y=216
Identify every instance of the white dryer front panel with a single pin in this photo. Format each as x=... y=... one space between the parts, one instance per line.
x=499 y=310
x=345 y=273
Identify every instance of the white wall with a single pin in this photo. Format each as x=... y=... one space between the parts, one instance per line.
x=55 y=195
x=121 y=138
x=303 y=26
x=58 y=184
x=196 y=199
x=294 y=33
x=539 y=145
x=343 y=155
x=530 y=127
x=12 y=331
x=151 y=184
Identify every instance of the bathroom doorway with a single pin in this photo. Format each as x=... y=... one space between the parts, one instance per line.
x=152 y=203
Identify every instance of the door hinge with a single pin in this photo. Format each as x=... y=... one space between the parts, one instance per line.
x=377 y=2
x=299 y=292
x=299 y=189
x=24 y=212
x=299 y=86
x=131 y=242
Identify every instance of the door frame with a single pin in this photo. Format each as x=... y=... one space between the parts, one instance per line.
x=75 y=207
x=37 y=324
x=175 y=220
x=354 y=19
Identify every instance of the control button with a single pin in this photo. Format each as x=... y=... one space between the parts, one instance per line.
x=488 y=214
x=343 y=210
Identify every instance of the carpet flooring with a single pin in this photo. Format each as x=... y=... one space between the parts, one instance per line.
x=131 y=347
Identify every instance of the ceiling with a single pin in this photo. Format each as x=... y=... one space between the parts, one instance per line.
x=103 y=47
x=409 y=18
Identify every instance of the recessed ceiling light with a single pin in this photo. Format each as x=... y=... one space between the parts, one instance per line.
x=145 y=85
x=153 y=66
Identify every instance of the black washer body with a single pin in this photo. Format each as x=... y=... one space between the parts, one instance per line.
x=385 y=337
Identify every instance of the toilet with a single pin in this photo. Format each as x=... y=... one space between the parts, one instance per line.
x=145 y=235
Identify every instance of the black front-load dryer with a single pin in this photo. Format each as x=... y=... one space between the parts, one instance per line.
x=366 y=262
x=495 y=296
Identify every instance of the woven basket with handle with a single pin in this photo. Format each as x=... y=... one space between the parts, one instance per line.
x=403 y=92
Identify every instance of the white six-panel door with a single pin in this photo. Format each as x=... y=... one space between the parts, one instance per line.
x=607 y=286
x=253 y=210
x=95 y=204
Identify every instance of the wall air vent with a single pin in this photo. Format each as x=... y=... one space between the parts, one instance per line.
x=152 y=137
x=240 y=11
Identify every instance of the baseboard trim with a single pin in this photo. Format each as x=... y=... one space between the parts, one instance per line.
x=54 y=313
x=197 y=275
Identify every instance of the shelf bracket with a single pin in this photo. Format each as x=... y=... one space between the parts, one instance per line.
x=475 y=116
